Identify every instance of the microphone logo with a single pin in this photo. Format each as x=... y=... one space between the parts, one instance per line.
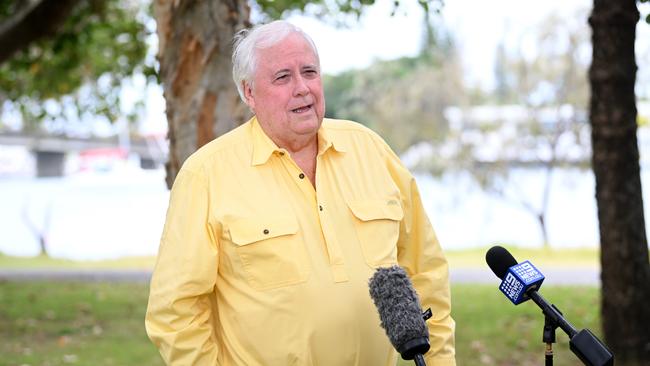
x=521 y=278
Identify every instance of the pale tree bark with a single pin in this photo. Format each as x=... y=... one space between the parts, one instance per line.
x=195 y=47
x=624 y=246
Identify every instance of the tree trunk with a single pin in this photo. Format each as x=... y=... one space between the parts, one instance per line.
x=624 y=248
x=195 y=47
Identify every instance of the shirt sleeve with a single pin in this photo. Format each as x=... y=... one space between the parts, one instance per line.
x=421 y=256
x=179 y=318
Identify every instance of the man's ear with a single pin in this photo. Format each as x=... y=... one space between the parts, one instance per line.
x=248 y=94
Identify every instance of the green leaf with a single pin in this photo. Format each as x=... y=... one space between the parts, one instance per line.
x=99 y=38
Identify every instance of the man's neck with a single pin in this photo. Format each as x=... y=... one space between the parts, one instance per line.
x=304 y=155
x=300 y=146
x=303 y=149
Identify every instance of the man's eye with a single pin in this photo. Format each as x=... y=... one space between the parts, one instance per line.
x=282 y=77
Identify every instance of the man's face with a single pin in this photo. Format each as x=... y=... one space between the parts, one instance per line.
x=287 y=91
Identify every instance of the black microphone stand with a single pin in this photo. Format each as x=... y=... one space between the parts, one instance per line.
x=548 y=337
x=589 y=349
x=419 y=360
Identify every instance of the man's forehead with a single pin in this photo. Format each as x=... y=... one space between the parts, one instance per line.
x=277 y=65
x=287 y=53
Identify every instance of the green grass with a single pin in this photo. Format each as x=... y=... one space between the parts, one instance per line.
x=74 y=323
x=541 y=257
x=581 y=257
x=57 y=263
x=102 y=324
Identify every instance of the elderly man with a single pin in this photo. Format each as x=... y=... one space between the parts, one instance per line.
x=274 y=229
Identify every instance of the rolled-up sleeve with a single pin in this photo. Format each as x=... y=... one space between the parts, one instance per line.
x=420 y=254
x=179 y=318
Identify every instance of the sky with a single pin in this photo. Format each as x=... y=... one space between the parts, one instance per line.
x=477 y=27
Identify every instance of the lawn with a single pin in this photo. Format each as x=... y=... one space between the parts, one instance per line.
x=68 y=323
x=63 y=323
x=543 y=257
x=12 y=262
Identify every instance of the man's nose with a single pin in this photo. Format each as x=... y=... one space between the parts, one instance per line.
x=300 y=88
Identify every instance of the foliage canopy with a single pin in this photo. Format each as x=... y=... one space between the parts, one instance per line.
x=77 y=70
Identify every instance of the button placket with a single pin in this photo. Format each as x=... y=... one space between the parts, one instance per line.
x=334 y=253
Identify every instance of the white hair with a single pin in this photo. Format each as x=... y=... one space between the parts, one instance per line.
x=261 y=36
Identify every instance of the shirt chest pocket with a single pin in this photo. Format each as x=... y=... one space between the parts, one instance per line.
x=270 y=250
x=377 y=223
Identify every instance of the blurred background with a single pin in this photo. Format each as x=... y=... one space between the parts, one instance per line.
x=486 y=103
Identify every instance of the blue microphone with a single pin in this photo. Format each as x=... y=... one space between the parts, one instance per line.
x=517 y=279
x=521 y=278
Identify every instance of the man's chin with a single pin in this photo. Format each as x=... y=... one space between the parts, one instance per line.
x=306 y=125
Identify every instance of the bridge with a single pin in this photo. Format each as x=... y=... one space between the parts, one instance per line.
x=50 y=150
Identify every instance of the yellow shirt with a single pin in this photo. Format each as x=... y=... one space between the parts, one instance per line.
x=256 y=267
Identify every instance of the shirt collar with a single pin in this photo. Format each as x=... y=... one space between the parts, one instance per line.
x=326 y=140
x=264 y=147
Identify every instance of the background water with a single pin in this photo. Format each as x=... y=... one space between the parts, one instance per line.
x=93 y=215
x=121 y=213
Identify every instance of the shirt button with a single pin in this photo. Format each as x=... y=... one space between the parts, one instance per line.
x=320 y=207
x=266 y=231
x=301 y=176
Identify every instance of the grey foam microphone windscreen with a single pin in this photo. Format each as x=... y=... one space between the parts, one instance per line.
x=398 y=306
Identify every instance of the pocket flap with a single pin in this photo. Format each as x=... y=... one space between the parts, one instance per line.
x=247 y=231
x=368 y=210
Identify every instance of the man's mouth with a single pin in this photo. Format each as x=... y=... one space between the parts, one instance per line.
x=302 y=109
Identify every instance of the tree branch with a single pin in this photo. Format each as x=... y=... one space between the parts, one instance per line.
x=39 y=19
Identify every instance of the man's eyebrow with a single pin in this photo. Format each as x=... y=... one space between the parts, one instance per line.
x=281 y=71
x=310 y=66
